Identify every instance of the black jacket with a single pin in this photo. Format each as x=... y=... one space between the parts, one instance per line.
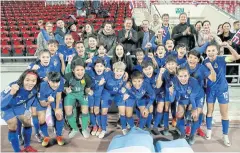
x=126 y=60
x=130 y=44
x=141 y=35
x=109 y=40
x=187 y=39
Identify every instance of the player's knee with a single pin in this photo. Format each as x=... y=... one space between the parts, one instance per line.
x=84 y=110
x=104 y=112
x=159 y=109
x=96 y=110
x=179 y=115
x=91 y=110
x=12 y=126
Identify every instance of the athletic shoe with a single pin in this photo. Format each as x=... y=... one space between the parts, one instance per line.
x=21 y=141
x=208 y=134
x=98 y=131
x=102 y=134
x=200 y=132
x=72 y=133
x=155 y=131
x=124 y=131
x=94 y=130
x=29 y=149
x=166 y=132
x=226 y=140
x=191 y=140
x=174 y=122
x=60 y=140
x=188 y=130
x=39 y=137
x=86 y=134
x=45 y=141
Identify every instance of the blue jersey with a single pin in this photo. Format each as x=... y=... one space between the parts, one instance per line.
x=145 y=91
x=63 y=49
x=200 y=72
x=171 y=53
x=95 y=81
x=113 y=85
x=43 y=70
x=105 y=58
x=22 y=97
x=161 y=61
x=55 y=61
x=46 y=90
x=190 y=93
x=219 y=65
x=153 y=80
x=168 y=80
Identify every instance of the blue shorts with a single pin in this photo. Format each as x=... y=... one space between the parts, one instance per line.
x=160 y=97
x=221 y=96
x=142 y=102
x=94 y=101
x=107 y=99
x=167 y=99
x=53 y=106
x=200 y=102
x=184 y=102
x=130 y=102
x=35 y=102
x=13 y=112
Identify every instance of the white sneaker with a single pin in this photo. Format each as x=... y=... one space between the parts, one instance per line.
x=226 y=140
x=85 y=134
x=102 y=134
x=72 y=133
x=98 y=132
x=124 y=131
x=208 y=134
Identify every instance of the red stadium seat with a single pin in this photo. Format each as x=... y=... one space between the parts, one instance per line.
x=5 y=50
x=17 y=41
x=31 y=50
x=18 y=50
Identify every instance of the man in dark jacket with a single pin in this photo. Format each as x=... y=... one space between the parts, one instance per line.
x=60 y=32
x=145 y=35
x=128 y=37
x=108 y=37
x=184 y=32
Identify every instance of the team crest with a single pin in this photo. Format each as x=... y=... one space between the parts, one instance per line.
x=189 y=91
x=55 y=63
x=83 y=82
x=30 y=95
x=215 y=65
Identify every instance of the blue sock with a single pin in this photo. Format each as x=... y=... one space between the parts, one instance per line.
x=92 y=119
x=54 y=119
x=13 y=138
x=19 y=127
x=187 y=115
x=225 y=126
x=142 y=122
x=149 y=120
x=104 y=122
x=35 y=124
x=181 y=125
x=44 y=129
x=165 y=119
x=27 y=132
x=123 y=121
x=130 y=121
x=59 y=127
x=98 y=120
x=194 y=127
x=173 y=109
x=200 y=118
x=138 y=113
x=158 y=119
x=209 y=123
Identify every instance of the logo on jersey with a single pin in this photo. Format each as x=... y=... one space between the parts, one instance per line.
x=215 y=65
x=55 y=63
x=30 y=95
x=83 y=82
x=189 y=90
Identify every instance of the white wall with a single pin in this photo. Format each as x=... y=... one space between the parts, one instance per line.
x=201 y=12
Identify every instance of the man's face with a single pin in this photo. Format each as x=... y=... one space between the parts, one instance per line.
x=145 y=25
x=92 y=42
x=183 y=19
x=165 y=20
x=60 y=24
x=49 y=28
x=108 y=27
x=237 y=26
x=128 y=24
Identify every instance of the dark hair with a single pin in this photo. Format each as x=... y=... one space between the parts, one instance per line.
x=59 y=19
x=102 y=44
x=52 y=41
x=194 y=53
x=54 y=76
x=182 y=69
x=107 y=22
x=139 y=50
x=99 y=60
x=181 y=45
x=213 y=43
x=20 y=80
x=115 y=58
x=161 y=45
x=171 y=58
x=137 y=75
x=165 y=14
x=79 y=42
x=198 y=22
x=226 y=23
x=205 y=21
x=171 y=40
x=92 y=36
x=77 y=62
x=182 y=14
x=146 y=64
x=235 y=22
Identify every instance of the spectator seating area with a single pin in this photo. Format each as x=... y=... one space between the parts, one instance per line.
x=19 y=28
